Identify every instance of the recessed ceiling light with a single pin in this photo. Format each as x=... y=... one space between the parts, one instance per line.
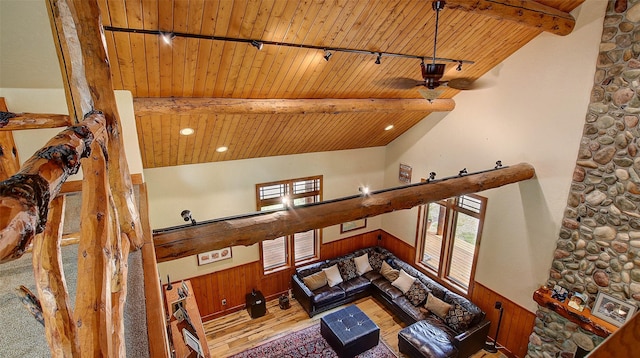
x=187 y=131
x=221 y=149
x=389 y=127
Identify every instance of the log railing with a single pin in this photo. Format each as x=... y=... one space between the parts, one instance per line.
x=110 y=224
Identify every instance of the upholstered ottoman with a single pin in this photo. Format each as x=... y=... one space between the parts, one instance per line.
x=422 y=339
x=349 y=331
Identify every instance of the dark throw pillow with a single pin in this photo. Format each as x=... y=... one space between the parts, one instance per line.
x=347 y=269
x=458 y=318
x=417 y=293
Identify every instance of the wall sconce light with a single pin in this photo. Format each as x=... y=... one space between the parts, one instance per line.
x=327 y=55
x=167 y=37
x=257 y=44
x=186 y=215
x=492 y=347
x=364 y=190
x=378 y=58
x=286 y=203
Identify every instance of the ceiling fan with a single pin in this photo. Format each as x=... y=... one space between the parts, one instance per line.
x=432 y=72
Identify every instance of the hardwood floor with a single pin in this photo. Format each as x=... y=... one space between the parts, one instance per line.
x=237 y=332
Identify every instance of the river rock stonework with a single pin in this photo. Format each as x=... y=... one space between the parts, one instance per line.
x=598 y=248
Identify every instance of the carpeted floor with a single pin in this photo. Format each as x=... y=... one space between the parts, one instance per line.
x=307 y=342
x=22 y=336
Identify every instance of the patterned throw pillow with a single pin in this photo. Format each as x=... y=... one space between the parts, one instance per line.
x=458 y=318
x=417 y=293
x=347 y=269
x=376 y=259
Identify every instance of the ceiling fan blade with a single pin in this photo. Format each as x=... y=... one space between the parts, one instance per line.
x=464 y=84
x=429 y=94
x=402 y=83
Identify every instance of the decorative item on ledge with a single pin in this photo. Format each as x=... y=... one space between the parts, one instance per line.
x=584 y=319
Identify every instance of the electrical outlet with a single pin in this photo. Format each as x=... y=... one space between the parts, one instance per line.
x=224 y=301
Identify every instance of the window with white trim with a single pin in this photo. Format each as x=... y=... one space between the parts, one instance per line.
x=449 y=237
x=293 y=249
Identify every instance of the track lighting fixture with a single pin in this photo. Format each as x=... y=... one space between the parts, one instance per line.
x=498 y=164
x=462 y=172
x=364 y=190
x=286 y=203
x=186 y=215
x=432 y=176
x=257 y=44
x=459 y=68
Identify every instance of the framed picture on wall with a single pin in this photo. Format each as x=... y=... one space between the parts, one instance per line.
x=353 y=225
x=613 y=310
x=213 y=256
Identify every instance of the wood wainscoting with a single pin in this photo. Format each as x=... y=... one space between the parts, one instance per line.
x=234 y=283
x=517 y=322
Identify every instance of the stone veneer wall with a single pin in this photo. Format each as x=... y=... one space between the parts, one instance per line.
x=598 y=248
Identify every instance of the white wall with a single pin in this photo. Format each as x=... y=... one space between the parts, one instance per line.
x=52 y=100
x=221 y=189
x=533 y=112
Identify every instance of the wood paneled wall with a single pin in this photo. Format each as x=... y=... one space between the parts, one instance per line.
x=234 y=283
x=517 y=322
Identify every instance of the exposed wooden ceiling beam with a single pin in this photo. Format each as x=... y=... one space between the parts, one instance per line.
x=194 y=106
x=248 y=230
x=525 y=12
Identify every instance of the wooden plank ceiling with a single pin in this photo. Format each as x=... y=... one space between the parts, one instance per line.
x=204 y=68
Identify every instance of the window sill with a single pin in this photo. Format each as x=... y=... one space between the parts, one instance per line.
x=275 y=270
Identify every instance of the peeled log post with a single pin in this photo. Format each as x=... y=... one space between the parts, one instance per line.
x=77 y=28
x=249 y=230
x=93 y=309
x=59 y=326
x=119 y=255
x=25 y=197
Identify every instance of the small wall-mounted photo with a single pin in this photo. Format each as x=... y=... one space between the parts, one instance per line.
x=213 y=256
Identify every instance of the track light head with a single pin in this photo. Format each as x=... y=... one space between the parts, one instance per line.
x=378 y=58
x=257 y=44
x=327 y=55
x=364 y=190
x=459 y=68
x=167 y=37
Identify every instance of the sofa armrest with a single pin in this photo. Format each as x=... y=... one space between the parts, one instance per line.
x=472 y=340
x=302 y=294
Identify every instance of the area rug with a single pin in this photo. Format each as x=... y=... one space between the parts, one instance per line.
x=307 y=342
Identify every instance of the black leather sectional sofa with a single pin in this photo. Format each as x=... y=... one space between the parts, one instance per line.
x=459 y=331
